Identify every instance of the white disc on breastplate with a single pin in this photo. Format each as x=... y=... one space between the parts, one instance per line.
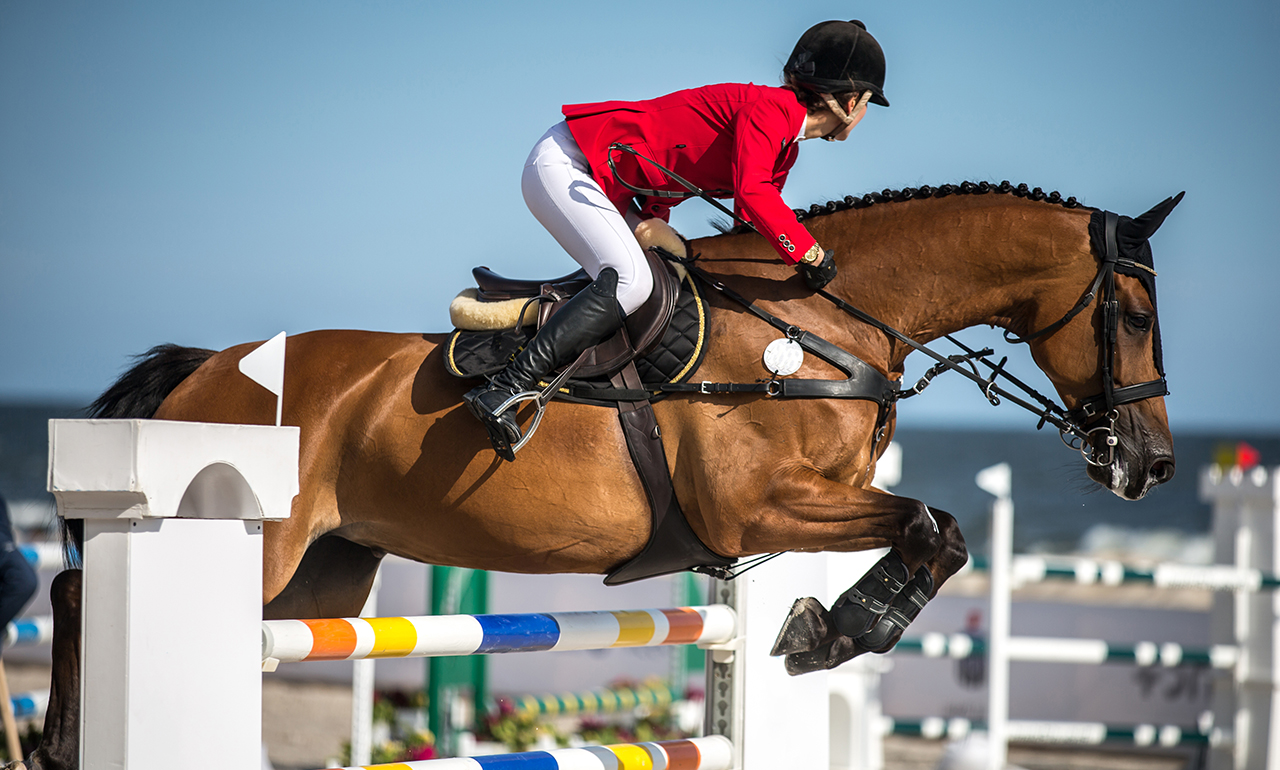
x=783 y=357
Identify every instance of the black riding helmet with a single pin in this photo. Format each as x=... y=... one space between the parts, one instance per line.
x=838 y=56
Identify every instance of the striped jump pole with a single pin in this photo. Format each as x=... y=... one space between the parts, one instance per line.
x=1044 y=649
x=42 y=556
x=290 y=641
x=1061 y=733
x=25 y=632
x=607 y=701
x=713 y=752
x=30 y=705
x=1218 y=577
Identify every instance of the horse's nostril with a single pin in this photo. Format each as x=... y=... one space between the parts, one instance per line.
x=1162 y=471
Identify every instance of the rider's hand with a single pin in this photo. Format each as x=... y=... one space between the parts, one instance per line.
x=819 y=272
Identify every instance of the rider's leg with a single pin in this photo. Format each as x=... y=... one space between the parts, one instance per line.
x=564 y=197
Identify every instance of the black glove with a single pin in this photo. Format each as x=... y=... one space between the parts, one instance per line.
x=819 y=274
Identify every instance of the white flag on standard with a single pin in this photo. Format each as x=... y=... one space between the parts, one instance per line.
x=265 y=366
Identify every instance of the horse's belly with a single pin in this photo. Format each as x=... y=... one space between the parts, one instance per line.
x=571 y=502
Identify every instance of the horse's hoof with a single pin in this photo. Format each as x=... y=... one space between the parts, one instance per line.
x=839 y=650
x=806 y=628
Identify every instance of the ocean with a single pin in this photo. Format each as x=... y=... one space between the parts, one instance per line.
x=1058 y=510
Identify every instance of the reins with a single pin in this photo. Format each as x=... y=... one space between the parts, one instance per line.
x=865 y=382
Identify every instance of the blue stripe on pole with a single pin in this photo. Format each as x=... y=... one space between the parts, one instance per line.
x=530 y=760
x=26 y=631
x=525 y=632
x=24 y=706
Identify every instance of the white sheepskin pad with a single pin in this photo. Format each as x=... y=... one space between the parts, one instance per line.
x=466 y=312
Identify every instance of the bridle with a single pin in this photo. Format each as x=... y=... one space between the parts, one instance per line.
x=1103 y=407
x=1089 y=428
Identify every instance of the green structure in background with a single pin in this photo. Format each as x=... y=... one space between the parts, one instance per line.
x=456 y=685
x=688 y=663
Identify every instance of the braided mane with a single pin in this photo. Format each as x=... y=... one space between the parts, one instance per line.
x=916 y=193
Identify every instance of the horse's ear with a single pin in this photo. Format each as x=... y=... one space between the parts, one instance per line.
x=1145 y=226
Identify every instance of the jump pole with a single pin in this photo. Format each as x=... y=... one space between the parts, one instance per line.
x=172 y=601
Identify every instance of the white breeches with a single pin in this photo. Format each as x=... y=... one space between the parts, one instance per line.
x=563 y=196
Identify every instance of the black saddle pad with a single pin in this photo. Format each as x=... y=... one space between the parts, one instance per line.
x=475 y=354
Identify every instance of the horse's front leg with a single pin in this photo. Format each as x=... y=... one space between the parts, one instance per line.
x=926 y=549
x=872 y=615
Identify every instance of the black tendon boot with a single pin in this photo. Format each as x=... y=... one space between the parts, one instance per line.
x=859 y=609
x=587 y=318
x=904 y=609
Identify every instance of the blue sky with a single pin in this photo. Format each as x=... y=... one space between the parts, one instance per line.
x=213 y=173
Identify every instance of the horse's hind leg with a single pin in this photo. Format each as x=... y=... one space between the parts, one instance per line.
x=333 y=580
x=59 y=747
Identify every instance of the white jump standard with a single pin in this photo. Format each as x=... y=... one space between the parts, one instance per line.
x=172 y=596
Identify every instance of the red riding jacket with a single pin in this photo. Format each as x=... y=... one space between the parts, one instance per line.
x=729 y=137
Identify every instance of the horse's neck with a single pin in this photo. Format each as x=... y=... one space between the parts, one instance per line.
x=933 y=267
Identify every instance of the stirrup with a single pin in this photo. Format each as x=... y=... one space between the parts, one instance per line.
x=519 y=398
x=540 y=400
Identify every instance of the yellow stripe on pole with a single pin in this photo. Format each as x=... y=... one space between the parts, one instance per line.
x=632 y=757
x=635 y=629
x=393 y=637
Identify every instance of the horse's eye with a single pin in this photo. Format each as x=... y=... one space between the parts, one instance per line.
x=1138 y=321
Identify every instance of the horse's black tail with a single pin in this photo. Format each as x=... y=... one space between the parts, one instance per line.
x=154 y=374
x=136 y=395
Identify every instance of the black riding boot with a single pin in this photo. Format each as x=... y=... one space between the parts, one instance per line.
x=588 y=317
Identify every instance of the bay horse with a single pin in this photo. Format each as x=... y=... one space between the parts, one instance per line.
x=391 y=462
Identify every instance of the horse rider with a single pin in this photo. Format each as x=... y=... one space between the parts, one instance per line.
x=731 y=139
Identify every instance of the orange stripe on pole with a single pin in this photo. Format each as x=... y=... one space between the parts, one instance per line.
x=682 y=755
x=632 y=757
x=686 y=625
x=333 y=639
x=634 y=629
x=392 y=637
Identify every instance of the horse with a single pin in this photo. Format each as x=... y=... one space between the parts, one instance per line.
x=391 y=462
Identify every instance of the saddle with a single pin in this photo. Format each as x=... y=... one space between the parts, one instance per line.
x=663 y=341
x=641 y=332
